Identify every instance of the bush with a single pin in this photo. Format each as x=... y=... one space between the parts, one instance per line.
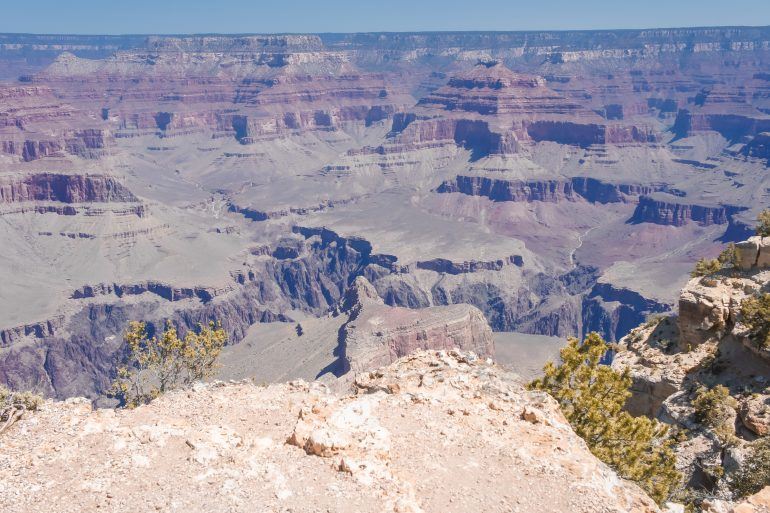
x=653 y=320
x=713 y=406
x=763 y=223
x=156 y=365
x=704 y=267
x=755 y=312
x=592 y=397
x=728 y=257
x=14 y=404
x=754 y=473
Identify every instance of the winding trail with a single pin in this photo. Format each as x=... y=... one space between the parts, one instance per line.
x=581 y=237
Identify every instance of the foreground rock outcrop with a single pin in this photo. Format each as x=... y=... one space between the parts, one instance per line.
x=435 y=431
x=675 y=360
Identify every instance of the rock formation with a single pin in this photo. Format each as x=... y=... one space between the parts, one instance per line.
x=434 y=431
x=753 y=253
x=673 y=359
x=557 y=182
x=756 y=503
x=63 y=188
x=376 y=334
x=553 y=191
x=34 y=123
x=661 y=211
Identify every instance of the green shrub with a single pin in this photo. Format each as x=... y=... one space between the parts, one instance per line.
x=754 y=473
x=763 y=223
x=755 y=312
x=653 y=320
x=592 y=397
x=704 y=267
x=156 y=365
x=728 y=257
x=713 y=406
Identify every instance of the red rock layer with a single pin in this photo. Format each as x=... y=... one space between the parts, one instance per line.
x=34 y=123
x=251 y=89
x=494 y=89
x=651 y=210
x=516 y=107
x=63 y=188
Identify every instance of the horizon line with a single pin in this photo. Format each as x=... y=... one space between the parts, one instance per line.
x=464 y=31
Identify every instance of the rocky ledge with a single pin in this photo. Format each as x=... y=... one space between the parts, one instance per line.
x=674 y=359
x=435 y=431
x=663 y=354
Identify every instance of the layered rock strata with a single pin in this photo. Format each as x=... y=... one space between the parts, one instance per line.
x=589 y=189
x=64 y=188
x=667 y=212
x=377 y=334
x=35 y=123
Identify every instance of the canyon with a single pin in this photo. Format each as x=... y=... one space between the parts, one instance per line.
x=470 y=187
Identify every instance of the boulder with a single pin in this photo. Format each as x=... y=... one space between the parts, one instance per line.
x=755 y=414
x=747 y=253
x=753 y=253
x=757 y=503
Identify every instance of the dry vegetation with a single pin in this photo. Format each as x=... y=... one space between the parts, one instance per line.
x=155 y=365
x=13 y=405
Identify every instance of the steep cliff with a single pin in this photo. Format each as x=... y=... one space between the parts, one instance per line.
x=674 y=360
x=669 y=212
x=376 y=334
x=589 y=189
x=65 y=188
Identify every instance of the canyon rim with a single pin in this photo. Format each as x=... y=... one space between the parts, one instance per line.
x=395 y=231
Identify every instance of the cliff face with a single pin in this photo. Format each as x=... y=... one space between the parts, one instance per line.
x=730 y=126
x=651 y=210
x=36 y=123
x=376 y=334
x=381 y=448
x=567 y=132
x=616 y=311
x=553 y=191
x=670 y=359
x=63 y=188
x=471 y=134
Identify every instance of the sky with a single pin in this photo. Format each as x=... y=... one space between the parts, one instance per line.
x=266 y=16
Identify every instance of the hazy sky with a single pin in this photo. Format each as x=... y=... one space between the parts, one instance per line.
x=244 y=16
